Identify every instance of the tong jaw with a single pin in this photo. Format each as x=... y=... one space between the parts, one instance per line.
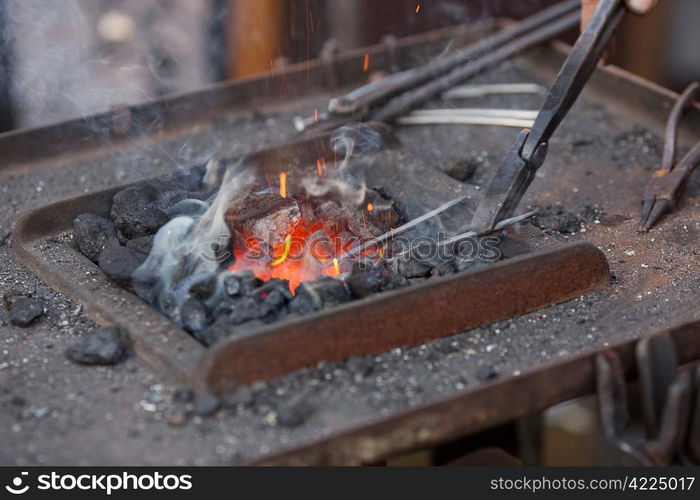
x=509 y=185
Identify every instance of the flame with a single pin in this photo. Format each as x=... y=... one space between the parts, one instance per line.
x=370 y=207
x=365 y=63
x=283 y=184
x=336 y=266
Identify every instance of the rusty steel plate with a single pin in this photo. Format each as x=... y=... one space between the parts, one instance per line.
x=409 y=316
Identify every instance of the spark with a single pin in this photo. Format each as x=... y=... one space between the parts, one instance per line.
x=285 y=252
x=283 y=184
x=320 y=166
x=365 y=63
x=417 y=8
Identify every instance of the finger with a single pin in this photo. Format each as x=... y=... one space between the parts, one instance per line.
x=587 y=10
x=640 y=6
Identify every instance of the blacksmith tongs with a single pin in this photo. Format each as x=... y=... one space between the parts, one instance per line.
x=530 y=149
x=665 y=186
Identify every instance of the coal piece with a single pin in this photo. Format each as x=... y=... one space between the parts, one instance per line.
x=364 y=279
x=265 y=217
x=25 y=310
x=92 y=233
x=131 y=198
x=413 y=268
x=392 y=281
x=322 y=293
x=141 y=221
x=119 y=262
x=269 y=299
x=105 y=346
x=144 y=244
x=223 y=328
x=241 y=283
x=194 y=315
x=205 y=286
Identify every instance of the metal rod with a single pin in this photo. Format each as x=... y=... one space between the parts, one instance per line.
x=401 y=229
x=408 y=100
x=507 y=113
x=372 y=93
x=463 y=91
x=471 y=234
x=466 y=120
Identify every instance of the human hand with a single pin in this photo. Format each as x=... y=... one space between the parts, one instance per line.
x=636 y=6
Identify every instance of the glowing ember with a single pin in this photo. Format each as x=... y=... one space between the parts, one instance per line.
x=283 y=184
x=365 y=63
x=417 y=8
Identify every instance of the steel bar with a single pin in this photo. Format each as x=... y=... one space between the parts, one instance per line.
x=404 y=102
x=401 y=229
x=468 y=91
x=493 y=112
x=472 y=234
x=373 y=93
x=465 y=120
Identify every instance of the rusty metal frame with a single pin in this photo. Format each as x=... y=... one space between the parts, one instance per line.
x=471 y=411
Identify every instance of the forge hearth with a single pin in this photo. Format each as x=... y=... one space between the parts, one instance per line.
x=601 y=173
x=280 y=253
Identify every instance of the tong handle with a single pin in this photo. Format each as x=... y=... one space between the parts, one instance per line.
x=572 y=76
x=682 y=103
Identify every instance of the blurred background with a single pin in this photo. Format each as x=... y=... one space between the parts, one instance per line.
x=62 y=59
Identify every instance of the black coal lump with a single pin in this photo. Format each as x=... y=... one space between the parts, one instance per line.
x=204 y=286
x=104 y=346
x=322 y=293
x=413 y=268
x=168 y=199
x=144 y=244
x=130 y=198
x=223 y=328
x=194 y=315
x=119 y=262
x=142 y=220
x=25 y=310
x=392 y=281
x=91 y=233
x=271 y=298
x=240 y=283
x=364 y=279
